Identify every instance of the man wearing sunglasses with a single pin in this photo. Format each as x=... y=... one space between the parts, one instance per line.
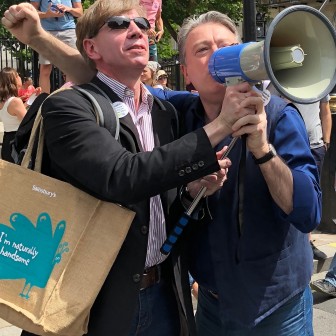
x=139 y=294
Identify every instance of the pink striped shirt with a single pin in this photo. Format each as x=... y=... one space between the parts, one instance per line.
x=143 y=121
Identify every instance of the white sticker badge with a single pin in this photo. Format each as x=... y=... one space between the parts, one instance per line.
x=120 y=108
x=265 y=95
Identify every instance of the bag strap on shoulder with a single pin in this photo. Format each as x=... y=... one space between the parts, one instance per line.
x=102 y=105
x=100 y=102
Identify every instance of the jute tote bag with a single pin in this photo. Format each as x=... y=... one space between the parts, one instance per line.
x=57 y=245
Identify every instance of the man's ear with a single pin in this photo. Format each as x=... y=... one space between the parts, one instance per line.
x=91 y=49
x=185 y=74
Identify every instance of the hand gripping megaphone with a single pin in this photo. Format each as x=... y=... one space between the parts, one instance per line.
x=298 y=56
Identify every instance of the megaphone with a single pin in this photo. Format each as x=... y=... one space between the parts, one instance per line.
x=298 y=56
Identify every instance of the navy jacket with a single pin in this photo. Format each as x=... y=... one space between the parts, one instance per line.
x=257 y=270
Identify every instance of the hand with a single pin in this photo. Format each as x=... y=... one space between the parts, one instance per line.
x=151 y=33
x=23 y=22
x=158 y=35
x=253 y=125
x=54 y=11
x=212 y=182
x=234 y=105
x=63 y=8
x=38 y=90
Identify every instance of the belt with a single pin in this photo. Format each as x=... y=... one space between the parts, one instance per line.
x=151 y=276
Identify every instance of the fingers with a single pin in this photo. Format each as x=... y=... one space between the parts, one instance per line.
x=220 y=153
x=10 y=17
x=16 y=13
x=212 y=182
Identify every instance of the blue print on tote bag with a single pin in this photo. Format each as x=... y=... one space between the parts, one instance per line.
x=30 y=252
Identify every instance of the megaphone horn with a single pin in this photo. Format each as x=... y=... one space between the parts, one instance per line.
x=298 y=56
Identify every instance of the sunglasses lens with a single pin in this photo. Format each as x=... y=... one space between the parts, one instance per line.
x=142 y=23
x=117 y=22
x=120 y=22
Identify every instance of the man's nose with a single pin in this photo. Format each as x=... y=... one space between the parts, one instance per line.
x=134 y=30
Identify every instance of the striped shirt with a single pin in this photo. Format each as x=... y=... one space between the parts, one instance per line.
x=143 y=121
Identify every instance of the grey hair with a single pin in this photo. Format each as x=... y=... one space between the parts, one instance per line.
x=194 y=21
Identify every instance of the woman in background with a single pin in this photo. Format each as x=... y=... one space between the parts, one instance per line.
x=161 y=80
x=148 y=76
x=12 y=109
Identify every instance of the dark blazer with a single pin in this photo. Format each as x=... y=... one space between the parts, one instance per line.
x=87 y=156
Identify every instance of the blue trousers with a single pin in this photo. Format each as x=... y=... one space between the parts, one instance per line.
x=157 y=312
x=319 y=154
x=294 y=318
x=331 y=275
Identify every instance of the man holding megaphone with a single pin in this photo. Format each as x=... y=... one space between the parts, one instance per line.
x=253 y=270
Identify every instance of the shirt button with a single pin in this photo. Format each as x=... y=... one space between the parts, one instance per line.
x=201 y=164
x=195 y=166
x=181 y=172
x=144 y=229
x=136 y=278
x=188 y=170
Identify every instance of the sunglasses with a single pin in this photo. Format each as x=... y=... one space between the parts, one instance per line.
x=162 y=77
x=123 y=22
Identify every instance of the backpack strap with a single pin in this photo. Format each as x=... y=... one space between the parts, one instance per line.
x=102 y=104
x=100 y=101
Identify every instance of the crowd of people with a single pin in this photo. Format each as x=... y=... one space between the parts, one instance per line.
x=250 y=231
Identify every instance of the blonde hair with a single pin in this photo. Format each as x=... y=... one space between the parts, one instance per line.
x=95 y=16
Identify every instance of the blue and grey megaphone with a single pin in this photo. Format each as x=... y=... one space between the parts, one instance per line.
x=298 y=56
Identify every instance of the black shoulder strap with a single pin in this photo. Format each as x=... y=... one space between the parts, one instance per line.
x=102 y=105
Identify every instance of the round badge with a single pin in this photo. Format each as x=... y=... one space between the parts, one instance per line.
x=120 y=108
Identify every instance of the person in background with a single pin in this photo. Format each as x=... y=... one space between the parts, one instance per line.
x=153 y=9
x=27 y=89
x=28 y=92
x=318 y=121
x=148 y=74
x=12 y=109
x=161 y=80
x=328 y=284
x=58 y=18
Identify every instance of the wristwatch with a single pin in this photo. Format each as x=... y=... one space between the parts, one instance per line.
x=271 y=154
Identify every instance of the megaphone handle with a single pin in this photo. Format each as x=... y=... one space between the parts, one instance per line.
x=202 y=191
x=178 y=229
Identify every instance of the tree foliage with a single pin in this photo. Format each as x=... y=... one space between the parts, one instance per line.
x=175 y=11
x=173 y=14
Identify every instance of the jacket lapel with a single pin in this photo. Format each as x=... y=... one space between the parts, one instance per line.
x=161 y=125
